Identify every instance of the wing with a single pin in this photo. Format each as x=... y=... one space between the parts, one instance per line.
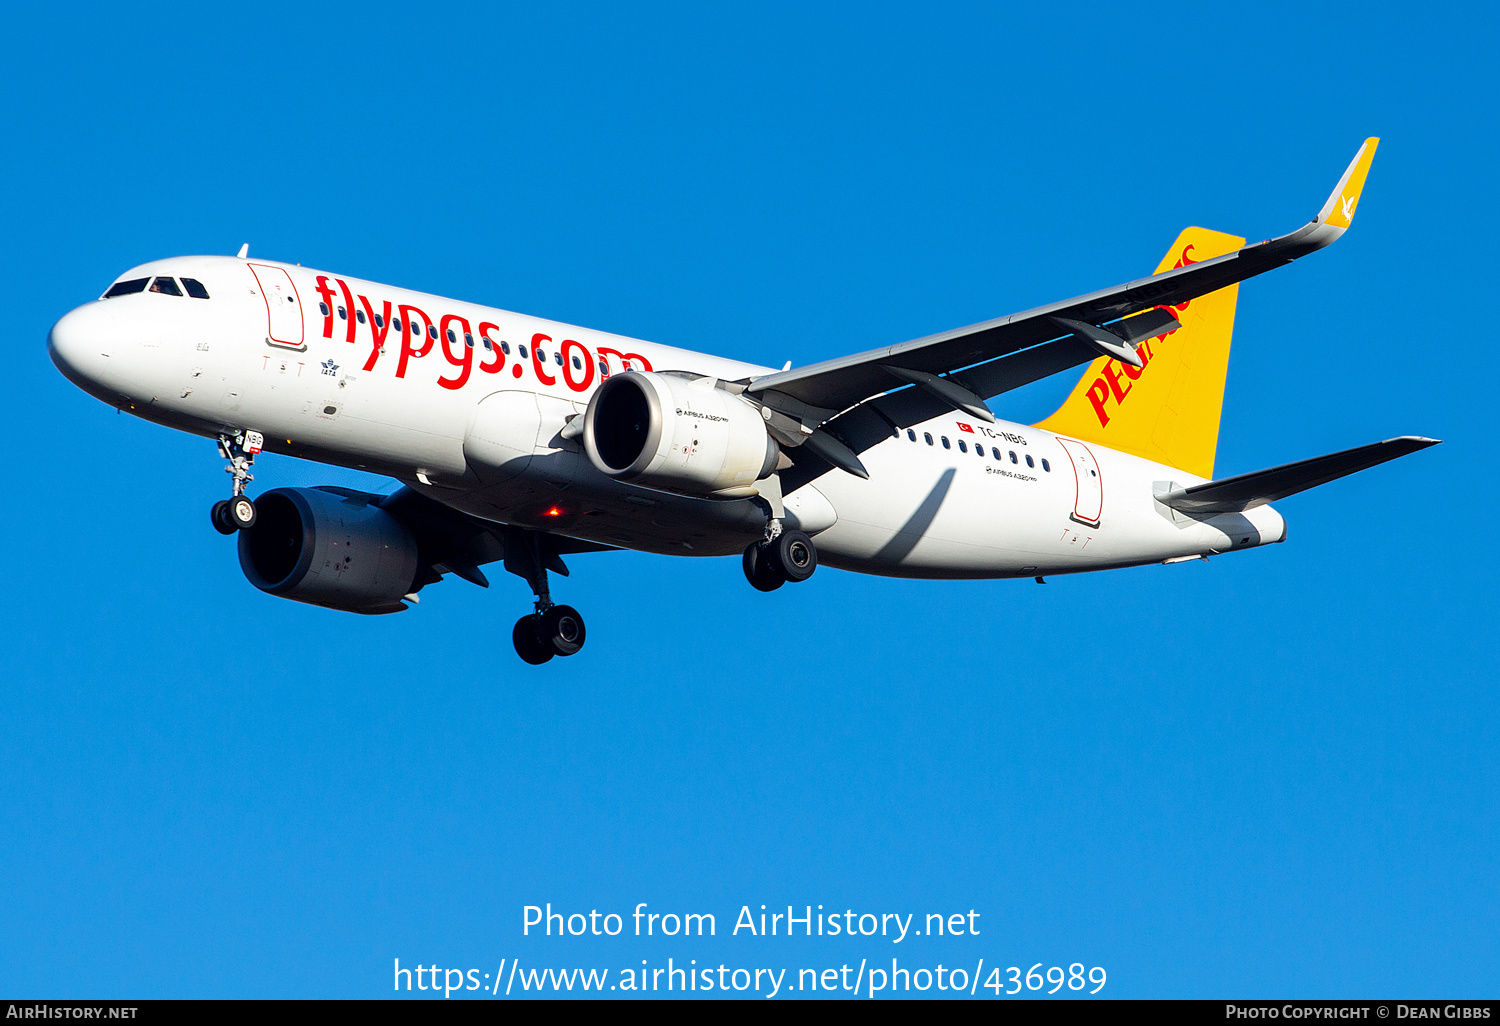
x=957 y=369
x=453 y=542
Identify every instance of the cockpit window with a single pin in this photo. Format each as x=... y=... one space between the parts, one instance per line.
x=125 y=288
x=195 y=288
x=166 y=286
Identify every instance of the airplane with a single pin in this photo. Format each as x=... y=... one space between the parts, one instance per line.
x=520 y=440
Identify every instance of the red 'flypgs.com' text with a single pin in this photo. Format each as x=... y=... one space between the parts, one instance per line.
x=455 y=335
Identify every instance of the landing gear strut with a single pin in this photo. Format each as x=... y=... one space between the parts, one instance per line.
x=552 y=630
x=237 y=513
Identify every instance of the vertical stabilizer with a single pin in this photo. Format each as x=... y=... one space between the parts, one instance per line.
x=1168 y=409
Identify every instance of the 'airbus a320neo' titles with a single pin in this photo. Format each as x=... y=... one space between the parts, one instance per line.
x=522 y=440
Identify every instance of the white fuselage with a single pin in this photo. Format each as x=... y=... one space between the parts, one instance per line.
x=325 y=383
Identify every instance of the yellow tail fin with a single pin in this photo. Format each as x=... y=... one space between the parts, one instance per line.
x=1167 y=410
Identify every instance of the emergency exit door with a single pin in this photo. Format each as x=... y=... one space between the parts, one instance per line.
x=1088 y=500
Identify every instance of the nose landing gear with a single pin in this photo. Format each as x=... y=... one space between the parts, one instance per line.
x=237 y=513
x=231 y=515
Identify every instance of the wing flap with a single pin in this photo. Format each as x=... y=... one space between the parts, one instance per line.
x=1247 y=491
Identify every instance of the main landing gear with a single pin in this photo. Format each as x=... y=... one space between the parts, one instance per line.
x=237 y=513
x=784 y=556
x=552 y=630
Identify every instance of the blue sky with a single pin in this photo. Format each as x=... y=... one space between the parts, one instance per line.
x=1273 y=774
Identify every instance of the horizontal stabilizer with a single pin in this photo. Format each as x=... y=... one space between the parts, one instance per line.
x=1246 y=491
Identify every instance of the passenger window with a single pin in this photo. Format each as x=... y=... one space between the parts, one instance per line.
x=979 y=450
x=432 y=332
x=962 y=446
x=557 y=359
x=359 y=315
x=452 y=336
x=1029 y=462
x=577 y=363
x=166 y=286
x=125 y=288
x=927 y=435
x=522 y=351
x=487 y=343
x=468 y=340
x=195 y=288
x=505 y=347
x=1013 y=457
x=343 y=314
x=603 y=369
x=323 y=309
x=945 y=443
x=1046 y=466
x=379 y=323
x=996 y=452
x=395 y=322
x=911 y=434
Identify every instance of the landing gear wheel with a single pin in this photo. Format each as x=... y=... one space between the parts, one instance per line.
x=220 y=517
x=758 y=572
x=562 y=629
x=792 y=555
x=240 y=513
x=528 y=641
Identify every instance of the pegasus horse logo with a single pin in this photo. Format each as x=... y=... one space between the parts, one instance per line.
x=1348 y=204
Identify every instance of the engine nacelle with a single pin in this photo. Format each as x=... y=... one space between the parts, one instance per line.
x=678 y=434
x=321 y=548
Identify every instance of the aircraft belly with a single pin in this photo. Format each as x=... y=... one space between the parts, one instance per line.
x=561 y=492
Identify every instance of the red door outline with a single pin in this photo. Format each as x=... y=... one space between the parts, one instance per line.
x=283 y=305
x=1088 y=496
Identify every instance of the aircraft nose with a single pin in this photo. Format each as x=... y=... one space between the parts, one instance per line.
x=82 y=345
